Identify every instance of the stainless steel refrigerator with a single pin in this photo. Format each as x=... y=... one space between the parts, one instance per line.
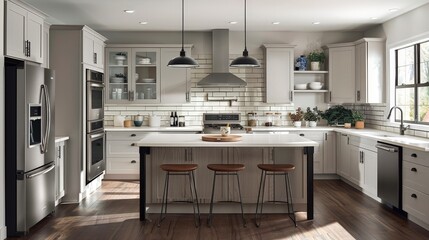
x=29 y=145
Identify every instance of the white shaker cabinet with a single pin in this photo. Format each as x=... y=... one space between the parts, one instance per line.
x=343 y=155
x=341 y=84
x=60 y=148
x=24 y=32
x=329 y=156
x=370 y=71
x=93 y=49
x=279 y=73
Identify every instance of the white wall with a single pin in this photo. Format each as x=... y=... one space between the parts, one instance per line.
x=2 y=157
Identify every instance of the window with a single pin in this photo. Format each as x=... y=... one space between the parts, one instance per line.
x=412 y=82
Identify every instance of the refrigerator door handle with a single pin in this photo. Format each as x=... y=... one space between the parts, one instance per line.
x=48 y=118
x=41 y=172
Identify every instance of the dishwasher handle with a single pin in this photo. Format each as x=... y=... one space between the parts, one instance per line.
x=386 y=148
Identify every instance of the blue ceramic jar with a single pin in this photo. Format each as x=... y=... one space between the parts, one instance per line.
x=301 y=63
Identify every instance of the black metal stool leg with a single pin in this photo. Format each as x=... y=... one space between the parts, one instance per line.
x=196 y=197
x=164 y=200
x=257 y=202
x=241 y=201
x=209 y=220
x=291 y=214
x=193 y=200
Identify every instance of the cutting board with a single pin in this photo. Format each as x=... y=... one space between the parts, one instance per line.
x=220 y=138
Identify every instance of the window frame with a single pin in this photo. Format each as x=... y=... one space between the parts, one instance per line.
x=417 y=81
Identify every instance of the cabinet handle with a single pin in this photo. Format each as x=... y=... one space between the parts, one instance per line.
x=291 y=96
x=29 y=48
x=133 y=161
x=348 y=140
x=414 y=195
x=133 y=135
x=95 y=58
x=26 y=48
x=330 y=96
x=133 y=144
x=358 y=95
x=414 y=155
x=413 y=169
x=301 y=134
x=326 y=136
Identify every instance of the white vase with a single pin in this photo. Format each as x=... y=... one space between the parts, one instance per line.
x=315 y=66
x=312 y=124
x=297 y=124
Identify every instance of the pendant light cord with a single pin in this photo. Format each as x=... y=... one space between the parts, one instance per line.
x=245 y=52
x=183 y=27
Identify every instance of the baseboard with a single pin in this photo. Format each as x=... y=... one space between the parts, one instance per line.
x=418 y=222
x=326 y=176
x=3 y=232
x=122 y=177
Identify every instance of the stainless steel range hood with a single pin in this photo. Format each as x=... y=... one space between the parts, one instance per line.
x=221 y=77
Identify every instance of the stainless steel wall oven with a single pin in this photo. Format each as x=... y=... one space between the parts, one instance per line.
x=95 y=140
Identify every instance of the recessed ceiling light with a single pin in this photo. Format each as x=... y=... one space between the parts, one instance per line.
x=276 y=23
x=374 y=18
x=233 y=22
x=393 y=9
x=129 y=11
x=143 y=23
x=316 y=23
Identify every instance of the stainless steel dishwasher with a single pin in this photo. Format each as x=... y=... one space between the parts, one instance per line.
x=389 y=174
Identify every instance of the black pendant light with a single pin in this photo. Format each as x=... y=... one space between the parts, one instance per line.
x=245 y=60
x=183 y=61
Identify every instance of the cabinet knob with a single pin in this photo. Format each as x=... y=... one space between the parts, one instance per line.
x=413 y=169
x=133 y=161
x=414 y=155
x=133 y=144
x=133 y=135
x=301 y=134
x=413 y=195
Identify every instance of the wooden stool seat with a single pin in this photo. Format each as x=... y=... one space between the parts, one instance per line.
x=226 y=167
x=179 y=167
x=276 y=167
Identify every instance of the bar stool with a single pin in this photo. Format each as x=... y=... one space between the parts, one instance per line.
x=275 y=169
x=180 y=169
x=228 y=170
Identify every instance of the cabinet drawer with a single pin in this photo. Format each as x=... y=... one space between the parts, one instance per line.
x=121 y=149
x=415 y=156
x=314 y=136
x=363 y=142
x=415 y=176
x=129 y=136
x=123 y=166
x=415 y=203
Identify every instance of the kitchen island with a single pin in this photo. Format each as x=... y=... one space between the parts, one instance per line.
x=274 y=141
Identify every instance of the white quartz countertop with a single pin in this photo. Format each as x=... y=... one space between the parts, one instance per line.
x=155 y=129
x=248 y=140
x=61 y=139
x=289 y=128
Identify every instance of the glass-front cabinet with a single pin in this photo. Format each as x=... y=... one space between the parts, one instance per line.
x=134 y=75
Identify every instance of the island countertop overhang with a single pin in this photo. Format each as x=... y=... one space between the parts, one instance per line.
x=248 y=140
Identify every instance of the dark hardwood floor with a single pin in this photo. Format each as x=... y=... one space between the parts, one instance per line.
x=341 y=212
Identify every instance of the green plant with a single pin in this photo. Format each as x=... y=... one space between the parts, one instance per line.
x=312 y=115
x=357 y=116
x=121 y=54
x=337 y=115
x=316 y=56
x=297 y=116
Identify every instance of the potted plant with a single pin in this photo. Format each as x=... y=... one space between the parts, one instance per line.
x=297 y=117
x=337 y=115
x=316 y=57
x=312 y=116
x=358 y=118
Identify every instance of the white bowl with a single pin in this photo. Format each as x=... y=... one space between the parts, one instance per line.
x=315 y=85
x=148 y=80
x=117 y=80
x=300 y=86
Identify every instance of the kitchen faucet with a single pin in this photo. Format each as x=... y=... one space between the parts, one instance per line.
x=401 y=127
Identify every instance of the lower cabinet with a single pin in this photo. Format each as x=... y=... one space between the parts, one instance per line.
x=415 y=192
x=60 y=148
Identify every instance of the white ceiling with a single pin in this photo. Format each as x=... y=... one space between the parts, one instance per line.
x=165 y=15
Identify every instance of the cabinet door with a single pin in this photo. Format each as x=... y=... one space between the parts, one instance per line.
x=342 y=74
x=59 y=171
x=329 y=156
x=145 y=75
x=174 y=84
x=16 y=18
x=118 y=73
x=343 y=161
x=356 y=166
x=88 y=48
x=370 y=163
x=279 y=75
x=99 y=53
x=45 y=63
x=318 y=159
x=35 y=37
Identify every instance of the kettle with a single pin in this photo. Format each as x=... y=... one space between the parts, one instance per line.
x=118 y=121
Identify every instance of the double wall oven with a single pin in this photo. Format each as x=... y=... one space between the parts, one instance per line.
x=95 y=137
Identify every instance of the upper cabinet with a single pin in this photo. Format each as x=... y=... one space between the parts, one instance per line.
x=356 y=71
x=138 y=74
x=279 y=74
x=370 y=70
x=93 y=49
x=24 y=32
x=341 y=82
